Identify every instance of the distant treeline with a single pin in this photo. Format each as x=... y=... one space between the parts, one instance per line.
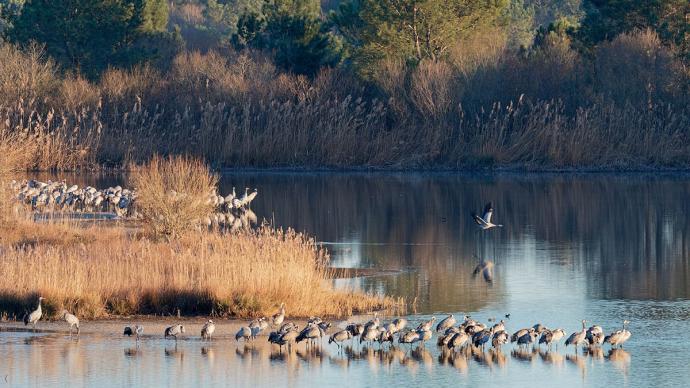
x=359 y=83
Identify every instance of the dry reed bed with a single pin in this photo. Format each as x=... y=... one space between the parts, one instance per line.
x=112 y=273
x=236 y=109
x=525 y=134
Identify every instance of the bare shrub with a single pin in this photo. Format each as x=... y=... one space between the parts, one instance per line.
x=391 y=77
x=26 y=75
x=124 y=86
x=432 y=83
x=172 y=194
x=77 y=93
x=638 y=68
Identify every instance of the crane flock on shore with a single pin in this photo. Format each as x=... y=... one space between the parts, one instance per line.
x=231 y=211
x=466 y=336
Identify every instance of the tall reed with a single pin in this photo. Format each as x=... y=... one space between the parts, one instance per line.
x=173 y=194
x=17 y=150
x=546 y=108
x=113 y=273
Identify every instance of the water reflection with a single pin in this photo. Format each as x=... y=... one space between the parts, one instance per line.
x=60 y=358
x=630 y=232
x=573 y=225
x=597 y=247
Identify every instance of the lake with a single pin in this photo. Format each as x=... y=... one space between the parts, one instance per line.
x=600 y=247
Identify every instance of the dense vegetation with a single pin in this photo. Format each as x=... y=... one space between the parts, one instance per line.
x=351 y=83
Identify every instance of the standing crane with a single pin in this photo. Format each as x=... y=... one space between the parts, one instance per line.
x=35 y=315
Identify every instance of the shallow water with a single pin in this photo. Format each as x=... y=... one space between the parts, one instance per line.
x=594 y=246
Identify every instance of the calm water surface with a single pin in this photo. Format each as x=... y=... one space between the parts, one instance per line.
x=597 y=247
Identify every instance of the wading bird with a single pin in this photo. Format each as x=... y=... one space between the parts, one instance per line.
x=257 y=326
x=173 y=331
x=370 y=334
x=520 y=333
x=245 y=333
x=529 y=338
x=286 y=335
x=426 y=326
x=35 y=315
x=458 y=340
x=312 y=332
x=592 y=333
x=539 y=328
x=577 y=337
x=208 y=329
x=278 y=318
x=72 y=320
x=479 y=339
x=447 y=322
x=400 y=323
x=484 y=222
x=137 y=330
x=409 y=338
x=339 y=337
x=424 y=335
x=499 y=339
x=550 y=337
x=500 y=326
x=619 y=337
x=355 y=329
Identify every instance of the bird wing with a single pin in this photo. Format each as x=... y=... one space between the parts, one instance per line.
x=488 y=210
x=478 y=220
x=478 y=269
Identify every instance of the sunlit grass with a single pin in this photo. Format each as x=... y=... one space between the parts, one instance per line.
x=98 y=272
x=172 y=194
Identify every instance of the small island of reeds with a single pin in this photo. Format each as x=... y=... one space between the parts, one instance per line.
x=121 y=269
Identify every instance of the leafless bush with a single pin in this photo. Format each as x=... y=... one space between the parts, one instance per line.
x=636 y=67
x=172 y=194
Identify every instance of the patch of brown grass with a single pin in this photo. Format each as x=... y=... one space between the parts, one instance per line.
x=16 y=152
x=172 y=194
x=239 y=275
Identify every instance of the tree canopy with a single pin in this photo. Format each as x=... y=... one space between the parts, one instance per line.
x=411 y=30
x=605 y=19
x=89 y=35
x=293 y=31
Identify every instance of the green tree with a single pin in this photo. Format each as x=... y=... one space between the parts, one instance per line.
x=605 y=19
x=414 y=30
x=294 y=32
x=89 y=35
x=9 y=9
x=151 y=15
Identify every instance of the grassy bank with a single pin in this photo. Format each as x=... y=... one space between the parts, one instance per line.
x=170 y=266
x=105 y=271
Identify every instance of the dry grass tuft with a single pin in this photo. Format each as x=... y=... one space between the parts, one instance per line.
x=172 y=194
x=104 y=272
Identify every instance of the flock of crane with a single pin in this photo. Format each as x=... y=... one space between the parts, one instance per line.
x=232 y=211
x=466 y=335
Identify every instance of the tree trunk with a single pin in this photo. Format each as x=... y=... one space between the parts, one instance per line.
x=417 y=44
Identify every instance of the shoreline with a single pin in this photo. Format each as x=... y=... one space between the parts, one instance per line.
x=440 y=170
x=154 y=326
